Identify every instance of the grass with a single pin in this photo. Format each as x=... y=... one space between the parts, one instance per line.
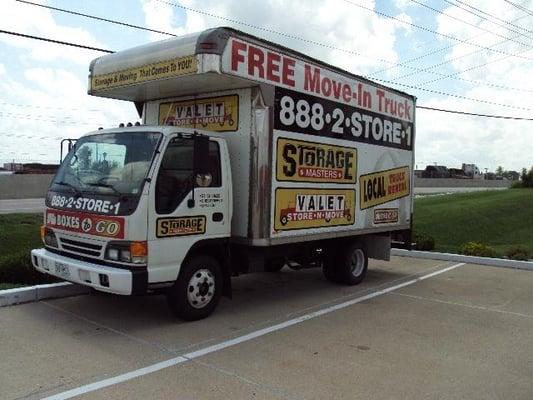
x=4 y=286
x=500 y=219
x=19 y=233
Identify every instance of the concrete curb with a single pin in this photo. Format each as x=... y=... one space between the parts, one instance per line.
x=28 y=294
x=493 y=262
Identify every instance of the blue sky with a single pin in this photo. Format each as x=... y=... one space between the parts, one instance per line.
x=43 y=86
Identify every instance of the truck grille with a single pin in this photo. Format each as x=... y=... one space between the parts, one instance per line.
x=77 y=246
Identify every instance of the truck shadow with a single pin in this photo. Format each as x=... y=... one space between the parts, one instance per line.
x=258 y=300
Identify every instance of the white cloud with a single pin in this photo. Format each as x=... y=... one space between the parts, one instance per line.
x=334 y=23
x=39 y=21
x=452 y=140
x=46 y=97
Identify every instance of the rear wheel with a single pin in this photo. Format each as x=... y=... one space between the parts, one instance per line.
x=348 y=267
x=197 y=290
x=274 y=264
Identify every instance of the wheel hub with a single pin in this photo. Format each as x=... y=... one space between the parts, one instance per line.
x=201 y=288
x=357 y=262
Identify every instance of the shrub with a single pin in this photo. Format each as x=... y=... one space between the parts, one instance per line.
x=423 y=241
x=518 y=253
x=17 y=268
x=477 y=249
x=517 y=185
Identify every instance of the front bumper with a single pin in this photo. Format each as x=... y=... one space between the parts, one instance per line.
x=99 y=277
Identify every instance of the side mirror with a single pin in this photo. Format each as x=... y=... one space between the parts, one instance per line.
x=201 y=155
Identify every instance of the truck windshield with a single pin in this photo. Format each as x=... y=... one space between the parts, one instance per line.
x=108 y=167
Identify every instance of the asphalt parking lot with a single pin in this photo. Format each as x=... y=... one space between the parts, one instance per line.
x=415 y=329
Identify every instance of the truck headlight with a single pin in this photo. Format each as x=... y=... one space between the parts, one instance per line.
x=48 y=237
x=131 y=252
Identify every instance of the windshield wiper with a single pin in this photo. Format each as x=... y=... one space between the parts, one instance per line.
x=106 y=185
x=76 y=191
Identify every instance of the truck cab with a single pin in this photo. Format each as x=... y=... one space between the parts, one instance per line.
x=123 y=197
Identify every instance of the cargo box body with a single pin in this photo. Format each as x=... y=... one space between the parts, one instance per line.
x=316 y=153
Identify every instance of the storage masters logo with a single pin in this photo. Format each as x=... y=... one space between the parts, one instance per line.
x=180 y=226
x=313 y=208
x=384 y=186
x=303 y=161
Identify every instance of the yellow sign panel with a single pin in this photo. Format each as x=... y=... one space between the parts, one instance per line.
x=383 y=186
x=151 y=72
x=218 y=114
x=303 y=161
x=313 y=208
x=180 y=226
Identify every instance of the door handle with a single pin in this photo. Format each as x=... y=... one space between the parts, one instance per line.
x=218 y=216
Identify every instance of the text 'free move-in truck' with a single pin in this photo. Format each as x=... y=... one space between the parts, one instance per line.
x=250 y=157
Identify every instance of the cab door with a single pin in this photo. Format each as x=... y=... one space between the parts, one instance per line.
x=184 y=209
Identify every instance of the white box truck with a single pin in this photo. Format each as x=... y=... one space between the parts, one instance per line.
x=250 y=156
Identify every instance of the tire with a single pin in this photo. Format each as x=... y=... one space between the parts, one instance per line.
x=349 y=268
x=274 y=265
x=197 y=290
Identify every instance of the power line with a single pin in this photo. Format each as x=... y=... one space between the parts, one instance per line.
x=520 y=7
x=464 y=70
x=48 y=108
x=380 y=80
x=417 y=70
x=453 y=95
x=81 y=46
x=474 y=25
x=212 y=15
x=111 y=21
x=441 y=49
x=428 y=30
x=474 y=114
x=453 y=76
x=505 y=22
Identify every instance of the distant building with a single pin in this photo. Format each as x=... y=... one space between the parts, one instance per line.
x=13 y=167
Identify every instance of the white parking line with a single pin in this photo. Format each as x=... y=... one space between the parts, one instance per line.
x=232 y=342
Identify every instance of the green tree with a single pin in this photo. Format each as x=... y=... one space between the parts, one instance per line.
x=499 y=171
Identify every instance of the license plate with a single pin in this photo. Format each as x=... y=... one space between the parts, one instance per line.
x=62 y=270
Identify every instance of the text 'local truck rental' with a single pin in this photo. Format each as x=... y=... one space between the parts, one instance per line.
x=250 y=157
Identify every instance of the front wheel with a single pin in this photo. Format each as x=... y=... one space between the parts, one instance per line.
x=197 y=290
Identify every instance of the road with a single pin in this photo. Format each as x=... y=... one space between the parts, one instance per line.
x=21 y=206
x=448 y=190
x=415 y=329
x=37 y=205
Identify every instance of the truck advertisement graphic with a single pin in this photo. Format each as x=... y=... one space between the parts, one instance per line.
x=313 y=208
x=284 y=71
x=145 y=73
x=180 y=226
x=299 y=112
x=383 y=186
x=90 y=224
x=218 y=114
x=303 y=161
x=385 y=216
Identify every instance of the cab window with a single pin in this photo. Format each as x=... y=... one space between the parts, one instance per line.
x=175 y=179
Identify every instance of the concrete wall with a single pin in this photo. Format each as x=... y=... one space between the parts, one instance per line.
x=451 y=183
x=29 y=186
x=35 y=186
